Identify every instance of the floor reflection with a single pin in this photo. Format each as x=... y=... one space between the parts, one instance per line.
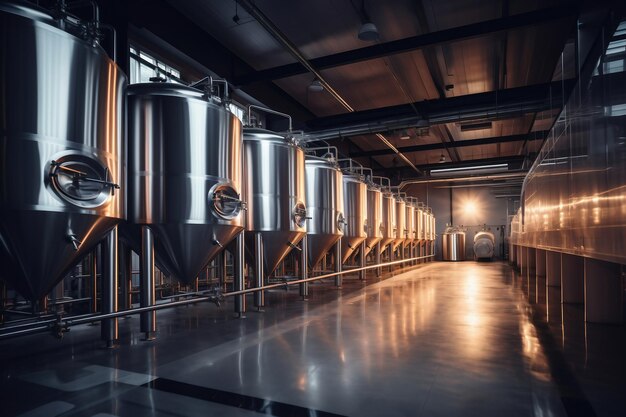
x=442 y=339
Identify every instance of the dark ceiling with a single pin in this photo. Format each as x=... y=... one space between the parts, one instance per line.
x=469 y=80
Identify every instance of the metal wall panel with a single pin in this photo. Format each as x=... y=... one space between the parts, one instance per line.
x=574 y=197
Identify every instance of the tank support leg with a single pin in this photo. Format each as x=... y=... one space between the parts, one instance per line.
x=304 y=268
x=93 y=282
x=238 y=275
x=363 y=261
x=379 y=270
x=126 y=262
x=259 y=273
x=109 y=328
x=338 y=278
x=147 y=291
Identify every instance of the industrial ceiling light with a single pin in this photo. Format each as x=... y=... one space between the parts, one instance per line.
x=368 y=30
x=404 y=135
x=316 y=86
x=469 y=127
x=442 y=159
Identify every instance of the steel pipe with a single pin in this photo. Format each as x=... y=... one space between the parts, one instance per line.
x=147 y=293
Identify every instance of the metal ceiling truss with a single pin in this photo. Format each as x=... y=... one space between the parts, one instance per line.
x=540 y=135
x=493 y=105
x=399 y=46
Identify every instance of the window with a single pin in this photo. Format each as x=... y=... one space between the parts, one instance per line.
x=145 y=68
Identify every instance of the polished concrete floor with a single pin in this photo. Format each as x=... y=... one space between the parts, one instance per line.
x=442 y=339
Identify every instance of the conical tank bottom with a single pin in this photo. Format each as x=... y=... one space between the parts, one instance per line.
x=370 y=244
x=183 y=250
x=36 y=251
x=276 y=246
x=385 y=242
x=319 y=245
x=349 y=246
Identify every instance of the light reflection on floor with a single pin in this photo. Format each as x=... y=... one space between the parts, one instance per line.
x=443 y=339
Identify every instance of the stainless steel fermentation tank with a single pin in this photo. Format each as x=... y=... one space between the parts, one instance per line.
x=375 y=225
x=62 y=151
x=355 y=211
x=274 y=191
x=401 y=229
x=184 y=185
x=389 y=220
x=324 y=201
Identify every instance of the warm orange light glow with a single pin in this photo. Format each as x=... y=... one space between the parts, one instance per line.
x=470 y=207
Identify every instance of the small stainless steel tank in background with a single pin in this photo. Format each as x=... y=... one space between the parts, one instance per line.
x=62 y=148
x=453 y=244
x=184 y=174
x=484 y=244
x=324 y=201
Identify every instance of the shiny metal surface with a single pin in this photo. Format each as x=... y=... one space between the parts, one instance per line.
x=355 y=212
x=574 y=198
x=419 y=223
x=410 y=222
x=375 y=225
x=63 y=120
x=453 y=244
x=184 y=175
x=400 y=222
x=484 y=243
x=274 y=191
x=324 y=202
x=389 y=220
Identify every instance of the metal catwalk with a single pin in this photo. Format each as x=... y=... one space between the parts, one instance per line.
x=444 y=339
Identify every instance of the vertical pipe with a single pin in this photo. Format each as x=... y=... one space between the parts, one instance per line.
x=126 y=262
x=391 y=256
x=363 y=259
x=259 y=273
x=224 y=267
x=338 y=278
x=604 y=293
x=147 y=287
x=109 y=327
x=379 y=270
x=238 y=275
x=58 y=294
x=304 y=269
x=93 y=282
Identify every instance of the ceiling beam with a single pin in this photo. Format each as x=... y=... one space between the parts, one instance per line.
x=493 y=105
x=412 y=43
x=541 y=135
